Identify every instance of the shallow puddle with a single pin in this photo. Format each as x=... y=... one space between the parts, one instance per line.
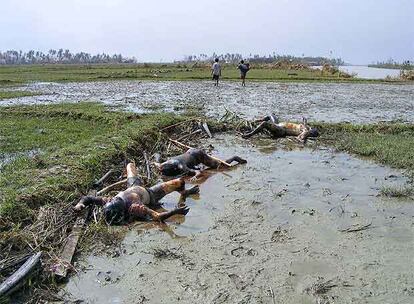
x=7 y=158
x=333 y=102
x=274 y=228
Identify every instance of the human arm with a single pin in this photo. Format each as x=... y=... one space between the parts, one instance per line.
x=266 y=118
x=90 y=200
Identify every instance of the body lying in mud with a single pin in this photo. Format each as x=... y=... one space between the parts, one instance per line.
x=189 y=162
x=138 y=202
x=282 y=129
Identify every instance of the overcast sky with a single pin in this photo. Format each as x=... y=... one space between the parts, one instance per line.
x=359 y=31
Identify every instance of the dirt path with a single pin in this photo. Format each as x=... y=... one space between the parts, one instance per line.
x=277 y=230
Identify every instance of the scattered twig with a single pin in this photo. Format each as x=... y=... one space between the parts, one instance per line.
x=272 y=294
x=179 y=144
x=148 y=166
x=356 y=228
x=100 y=181
x=110 y=187
x=189 y=135
x=206 y=129
x=177 y=124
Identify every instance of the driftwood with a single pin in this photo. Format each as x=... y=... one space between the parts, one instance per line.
x=177 y=124
x=188 y=135
x=206 y=129
x=100 y=181
x=179 y=144
x=356 y=228
x=20 y=277
x=60 y=269
x=110 y=187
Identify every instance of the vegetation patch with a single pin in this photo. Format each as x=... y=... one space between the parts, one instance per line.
x=387 y=143
x=401 y=192
x=74 y=144
x=14 y=74
x=15 y=94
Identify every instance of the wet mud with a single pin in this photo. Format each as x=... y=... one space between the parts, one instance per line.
x=331 y=102
x=290 y=226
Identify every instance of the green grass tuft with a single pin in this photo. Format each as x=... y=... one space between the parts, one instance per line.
x=15 y=94
x=401 y=192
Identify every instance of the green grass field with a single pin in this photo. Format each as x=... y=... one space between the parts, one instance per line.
x=12 y=75
x=73 y=145
x=14 y=94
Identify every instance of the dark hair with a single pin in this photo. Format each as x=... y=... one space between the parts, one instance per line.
x=216 y=60
x=115 y=211
x=171 y=168
x=313 y=132
x=241 y=61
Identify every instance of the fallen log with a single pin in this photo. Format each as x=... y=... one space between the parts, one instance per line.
x=21 y=276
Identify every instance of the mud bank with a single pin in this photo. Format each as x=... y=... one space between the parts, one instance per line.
x=331 y=102
x=279 y=229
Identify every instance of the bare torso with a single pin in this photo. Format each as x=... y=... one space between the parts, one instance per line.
x=135 y=195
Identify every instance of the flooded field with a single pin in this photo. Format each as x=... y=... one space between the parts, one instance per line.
x=331 y=102
x=290 y=226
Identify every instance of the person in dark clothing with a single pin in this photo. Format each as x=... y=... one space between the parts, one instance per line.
x=244 y=68
x=188 y=162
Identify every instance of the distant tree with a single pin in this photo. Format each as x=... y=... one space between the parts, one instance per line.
x=60 y=56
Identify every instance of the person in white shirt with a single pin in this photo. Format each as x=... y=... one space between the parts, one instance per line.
x=216 y=71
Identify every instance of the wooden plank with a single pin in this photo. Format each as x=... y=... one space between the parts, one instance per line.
x=20 y=277
x=60 y=269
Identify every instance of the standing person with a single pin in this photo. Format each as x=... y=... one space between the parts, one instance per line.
x=243 y=71
x=216 y=71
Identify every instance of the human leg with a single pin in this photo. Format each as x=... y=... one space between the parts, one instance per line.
x=160 y=190
x=236 y=159
x=132 y=176
x=255 y=131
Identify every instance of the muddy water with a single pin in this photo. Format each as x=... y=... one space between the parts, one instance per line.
x=319 y=101
x=6 y=158
x=270 y=231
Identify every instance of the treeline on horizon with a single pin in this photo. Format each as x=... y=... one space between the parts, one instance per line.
x=392 y=64
x=60 y=56
x=271 y=58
